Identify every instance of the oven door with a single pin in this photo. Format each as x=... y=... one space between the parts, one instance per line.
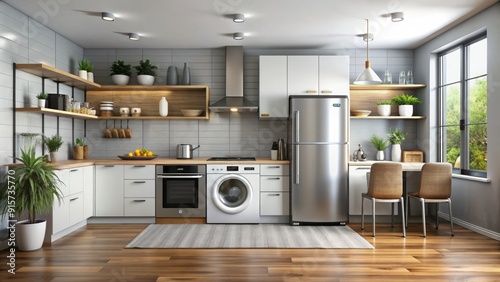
x=180 y=195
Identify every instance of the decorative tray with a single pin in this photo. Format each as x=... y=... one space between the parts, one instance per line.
x=137 y=158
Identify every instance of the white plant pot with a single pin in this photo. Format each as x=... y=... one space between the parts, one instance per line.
x=120 y=79
x=82 y=74
x=406 y=110
x=29 y=237
x=396 y=152
x=41 y=103
x=90 y=76
x=384 y=110
x=380 y=156
x=145 y=79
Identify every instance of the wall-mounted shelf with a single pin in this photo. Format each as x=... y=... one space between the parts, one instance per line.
x=56 y=75
x=52 y=112
x=147 y=98
x=386 y=86
x=387 y=117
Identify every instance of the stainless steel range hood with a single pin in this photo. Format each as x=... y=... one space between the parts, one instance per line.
x=234 y=100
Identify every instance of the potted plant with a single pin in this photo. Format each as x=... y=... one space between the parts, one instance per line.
x=35 y=186
x=78 y=149
x=146 y=72
x=405 y=103
x=384 y=108
x=42 y=98
x=120 y=72
x=380 y=144
x=396 y=136
x=83 y=66
x=53 y=144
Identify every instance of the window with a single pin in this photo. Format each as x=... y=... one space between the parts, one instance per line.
x=463 y=107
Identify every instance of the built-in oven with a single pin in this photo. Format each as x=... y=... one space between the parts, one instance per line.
x=180 y=191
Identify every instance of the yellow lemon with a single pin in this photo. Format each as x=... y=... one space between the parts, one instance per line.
x=130 y=154
x=150 y=154
x=137 y=152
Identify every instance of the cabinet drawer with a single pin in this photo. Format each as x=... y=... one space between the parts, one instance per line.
x=60 y=215
x=139 y=206
x=75 y=180
x=274 y=169
x=274 y=183
x=139 y=171
x=274 y=203
x=139 y=188
x=75 y=208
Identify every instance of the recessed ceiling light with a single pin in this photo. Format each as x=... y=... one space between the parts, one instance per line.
x=134 y=36
x=238 y=18
x=108 y=16
x=238 y=36
x=397 y=16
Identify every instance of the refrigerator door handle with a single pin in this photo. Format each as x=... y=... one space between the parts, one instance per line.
x=297 y=119
x=296 y=165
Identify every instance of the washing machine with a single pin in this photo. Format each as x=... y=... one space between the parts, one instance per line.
x=233 y=193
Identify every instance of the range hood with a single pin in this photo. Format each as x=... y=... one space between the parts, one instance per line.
x=234 y=100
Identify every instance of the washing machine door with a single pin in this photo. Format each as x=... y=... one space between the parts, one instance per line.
x=232 y=193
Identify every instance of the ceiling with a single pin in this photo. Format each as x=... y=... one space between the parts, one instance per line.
x=268 y=23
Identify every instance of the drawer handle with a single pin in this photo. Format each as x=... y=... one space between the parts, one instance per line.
x=139 y=201
x=139 y=182
x=363 y=168
x=139 y=166
x=311 y=91
x=327 y=91
x=109 y=166
x=273 y=178
x=273 y=166
x=71 y=170
x=273 y=195
x=71 y=200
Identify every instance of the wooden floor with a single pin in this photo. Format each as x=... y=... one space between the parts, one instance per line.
x=96 y=253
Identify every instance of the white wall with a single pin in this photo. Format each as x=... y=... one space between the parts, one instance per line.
x=475 y=204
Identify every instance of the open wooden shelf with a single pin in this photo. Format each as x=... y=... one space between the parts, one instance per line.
x=386 y=86
x=56 y=75
x=151 y=117
x=52 y=112
x=387 y=117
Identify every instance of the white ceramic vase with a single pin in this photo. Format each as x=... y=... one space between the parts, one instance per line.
x=120 y=79
x=90 y=76
x=380 y=156
x=163 y=107
x=396 y=152
x=82 y=74
x=384 y=110
x=29 y=237
x=41 y=103
x=405 y=110
x=145 y=79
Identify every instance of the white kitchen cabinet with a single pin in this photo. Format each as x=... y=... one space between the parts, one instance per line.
x=109 y=190
x=75 y=208
x=139 y=190
x=88 y=191
x=303 y=73
x=59 y=220
x=273 y=94
x=334 y=75
x=357 y=185
x=274 y=190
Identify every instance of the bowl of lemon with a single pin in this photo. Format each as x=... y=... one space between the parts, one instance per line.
x=139 y=154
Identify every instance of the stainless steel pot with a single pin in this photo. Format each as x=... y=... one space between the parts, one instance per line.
x=185 y=151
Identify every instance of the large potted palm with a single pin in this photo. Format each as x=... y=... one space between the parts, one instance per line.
x=30 y=187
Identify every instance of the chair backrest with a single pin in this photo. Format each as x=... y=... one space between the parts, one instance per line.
x=435 y=181
x=386 y=181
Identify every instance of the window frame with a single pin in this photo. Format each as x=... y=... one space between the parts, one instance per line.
x=464 y=107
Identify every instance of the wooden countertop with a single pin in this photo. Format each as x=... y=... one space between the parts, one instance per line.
x=158 y=161
x=406 y=166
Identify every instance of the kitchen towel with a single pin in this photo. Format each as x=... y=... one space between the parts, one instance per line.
x=206 y=236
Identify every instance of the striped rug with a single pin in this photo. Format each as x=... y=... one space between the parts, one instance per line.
x=207 y=236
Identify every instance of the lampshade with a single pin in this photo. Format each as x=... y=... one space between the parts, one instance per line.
x=108 y=16
x=397 y=16
x=238 y=18
x=134 y=36
x=238 y=36
x=367 y=76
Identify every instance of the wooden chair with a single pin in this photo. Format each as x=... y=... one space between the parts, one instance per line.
x=385 y=186
x=435 y=187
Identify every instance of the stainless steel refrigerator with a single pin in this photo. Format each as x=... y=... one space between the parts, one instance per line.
x=318 y=137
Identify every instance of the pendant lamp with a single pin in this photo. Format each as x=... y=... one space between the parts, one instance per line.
x=367 y=76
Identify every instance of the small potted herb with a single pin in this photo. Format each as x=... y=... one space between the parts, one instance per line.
x=396 y=136
x=42 y=99
x=380 y=144
x=146 y=72
x=405 y=103
x=84 y=67
x=384 y=108
x=78 y=149
x=120 y=72
x=53 y=144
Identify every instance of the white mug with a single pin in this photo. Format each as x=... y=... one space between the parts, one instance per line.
x=124 y=111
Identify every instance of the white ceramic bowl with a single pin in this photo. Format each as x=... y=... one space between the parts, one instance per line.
x=191 y=113
x=120 y=79
x=145 y=79
x=360 y=113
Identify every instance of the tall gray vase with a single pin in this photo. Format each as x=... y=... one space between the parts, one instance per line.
x=172 y=76
x=186 y=75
